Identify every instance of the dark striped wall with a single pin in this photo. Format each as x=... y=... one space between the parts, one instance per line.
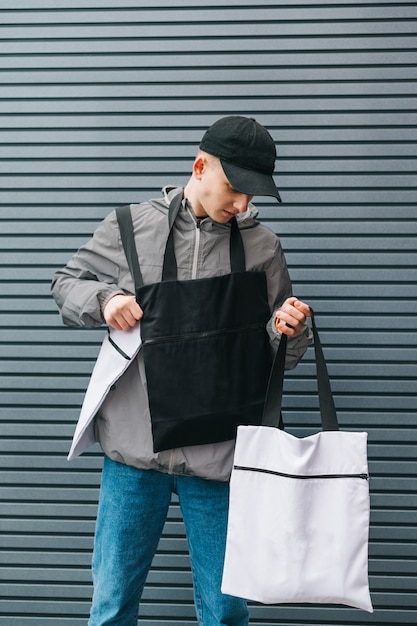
x=102 y=102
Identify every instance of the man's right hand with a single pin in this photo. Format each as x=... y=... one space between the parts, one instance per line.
x=122 y=312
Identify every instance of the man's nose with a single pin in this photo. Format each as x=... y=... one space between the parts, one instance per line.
x=241 y=202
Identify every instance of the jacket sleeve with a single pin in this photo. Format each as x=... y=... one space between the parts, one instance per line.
x=279 y=289
x=83 y=287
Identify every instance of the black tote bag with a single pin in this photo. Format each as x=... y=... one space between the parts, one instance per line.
x=205 y=347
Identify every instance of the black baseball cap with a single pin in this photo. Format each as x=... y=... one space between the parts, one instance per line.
x=247 y=153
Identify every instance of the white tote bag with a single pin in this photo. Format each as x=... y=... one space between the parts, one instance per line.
x=299 y=507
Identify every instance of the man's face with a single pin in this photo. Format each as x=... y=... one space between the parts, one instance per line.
x=215 y=196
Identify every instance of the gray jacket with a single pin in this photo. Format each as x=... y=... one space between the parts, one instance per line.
x=99 y=270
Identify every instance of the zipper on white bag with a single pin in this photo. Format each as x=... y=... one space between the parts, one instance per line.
x=299 y=476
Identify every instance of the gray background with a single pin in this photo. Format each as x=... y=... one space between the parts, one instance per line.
x=102 y=102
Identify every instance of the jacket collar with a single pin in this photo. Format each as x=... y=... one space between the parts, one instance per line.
x=245 y=220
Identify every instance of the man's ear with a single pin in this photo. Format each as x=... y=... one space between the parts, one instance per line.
x=199 y=166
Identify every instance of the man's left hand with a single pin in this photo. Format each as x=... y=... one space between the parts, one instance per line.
x=291 y=318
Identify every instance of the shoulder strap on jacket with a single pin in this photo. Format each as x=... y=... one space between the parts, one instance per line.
x=169 y=269
x=124 y=218
x=237 y=252
x=169 y=272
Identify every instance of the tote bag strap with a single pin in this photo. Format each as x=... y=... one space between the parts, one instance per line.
x=237 y=252
x=169 y=270
x=124 y=219
x=272 y=410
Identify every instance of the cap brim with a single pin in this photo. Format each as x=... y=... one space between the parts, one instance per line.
x=250 y=182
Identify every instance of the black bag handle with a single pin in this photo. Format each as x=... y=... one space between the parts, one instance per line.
x=272 y=409
x=169 y=270
x=124 y=219
x=237 y=251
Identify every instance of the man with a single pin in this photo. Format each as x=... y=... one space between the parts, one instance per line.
x=212 y=223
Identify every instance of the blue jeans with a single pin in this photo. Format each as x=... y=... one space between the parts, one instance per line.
x=132 y=510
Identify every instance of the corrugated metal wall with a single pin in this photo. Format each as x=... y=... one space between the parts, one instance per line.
x=102 y=102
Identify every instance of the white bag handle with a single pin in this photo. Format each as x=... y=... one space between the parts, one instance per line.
x=272 y=409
